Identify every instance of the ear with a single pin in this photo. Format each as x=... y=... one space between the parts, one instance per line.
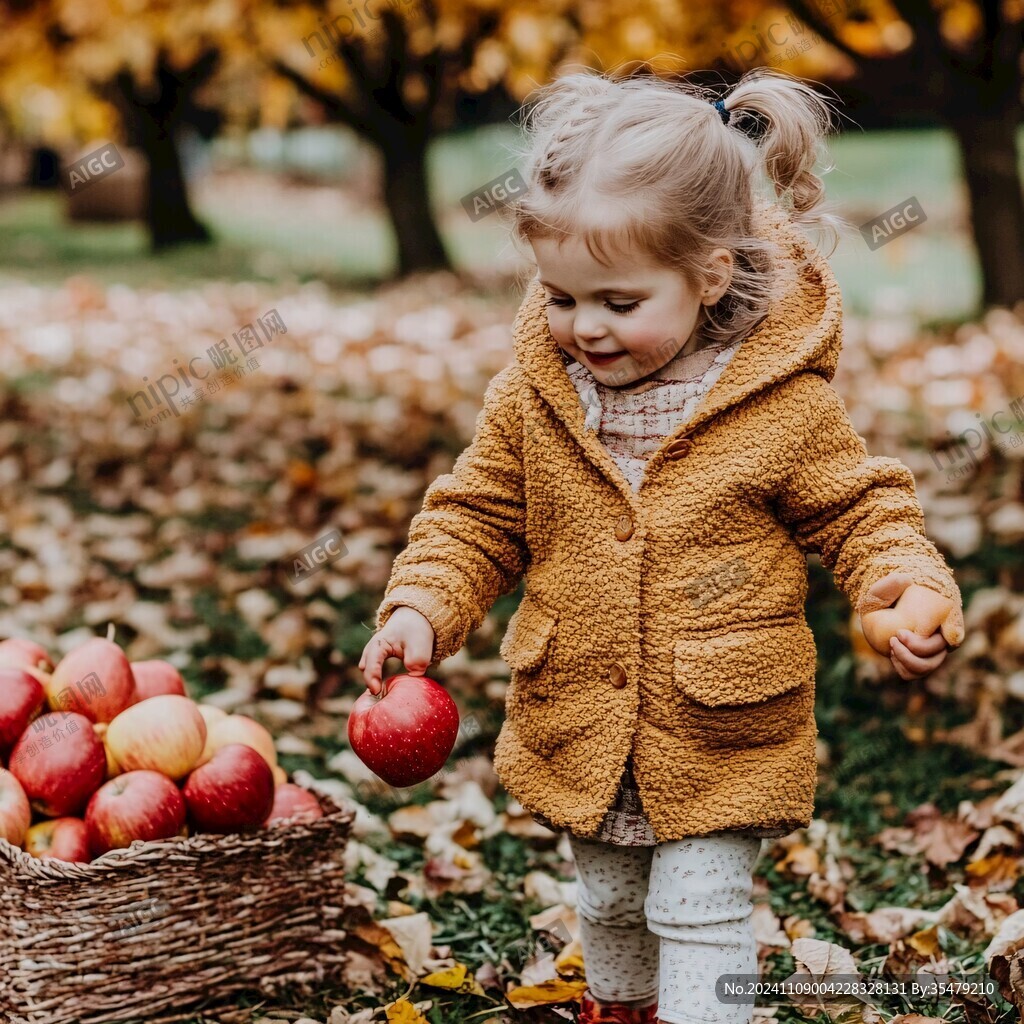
x=717 y=275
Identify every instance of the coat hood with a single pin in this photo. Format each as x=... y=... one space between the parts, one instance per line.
x=802 y=331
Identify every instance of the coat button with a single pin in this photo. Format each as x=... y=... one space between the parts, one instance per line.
x=679 y=448
x=624 y=528
x=617 y=675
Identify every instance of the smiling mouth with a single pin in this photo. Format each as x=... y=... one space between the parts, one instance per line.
x=601 y=359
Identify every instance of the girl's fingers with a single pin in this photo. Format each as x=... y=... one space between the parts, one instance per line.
x=922 y=645
x=909 y=665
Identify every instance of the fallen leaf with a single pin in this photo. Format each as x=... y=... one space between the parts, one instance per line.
x=457 y=978
x=556 y=991
x=401 y=1011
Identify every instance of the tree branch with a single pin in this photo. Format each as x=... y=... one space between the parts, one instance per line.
x=332 y=103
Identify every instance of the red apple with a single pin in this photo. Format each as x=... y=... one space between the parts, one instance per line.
x=59 y=838
x=15 y=812
x=17 y=652
x=165 y=733
x=407 y=733
x=95 y=680
x=232 y=792
x=239 y=729
x=21 y=700
x=292 y=801
x=60 y=762
x=154 y=677
x=135 y=805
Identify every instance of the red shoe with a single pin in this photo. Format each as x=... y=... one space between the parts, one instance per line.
x=615 y=1013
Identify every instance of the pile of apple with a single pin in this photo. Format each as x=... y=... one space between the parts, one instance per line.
x=105 y=751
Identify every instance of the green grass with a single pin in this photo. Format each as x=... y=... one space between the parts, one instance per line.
x=930 y=271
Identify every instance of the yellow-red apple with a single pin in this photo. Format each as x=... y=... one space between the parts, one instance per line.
x=60 y=838
x=239 y=729
x=165 y=733
x=15 y=812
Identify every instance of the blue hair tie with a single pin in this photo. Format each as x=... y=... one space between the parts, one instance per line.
x=722 y=112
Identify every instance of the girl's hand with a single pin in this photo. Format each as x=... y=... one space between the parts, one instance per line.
x=913 y=655
x=407 y=635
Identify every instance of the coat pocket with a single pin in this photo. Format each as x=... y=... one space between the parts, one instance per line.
x=541 y=704
x=528 y=635
x=748 y=686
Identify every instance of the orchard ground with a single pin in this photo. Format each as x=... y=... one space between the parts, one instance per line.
x=228 y=472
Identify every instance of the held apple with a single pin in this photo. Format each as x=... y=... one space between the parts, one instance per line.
x=407 y=733
x=60 y=762
x=60 y=838
x=135 y=805
x=21 y=700
x=292 y=801
x=95 y=680
x=165 y=733
x=919 y=609
x=15 y=812
x=232 y=792
x=154 y=677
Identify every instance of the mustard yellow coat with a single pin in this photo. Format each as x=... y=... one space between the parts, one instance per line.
x=669 y=621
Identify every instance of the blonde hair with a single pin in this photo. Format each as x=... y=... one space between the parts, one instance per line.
x=683 y=181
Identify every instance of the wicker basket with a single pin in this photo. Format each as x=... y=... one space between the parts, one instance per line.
x=153 y=932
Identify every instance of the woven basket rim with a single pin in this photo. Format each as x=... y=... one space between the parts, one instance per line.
x=60 y=870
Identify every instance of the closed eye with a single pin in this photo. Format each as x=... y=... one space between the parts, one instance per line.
x=611 y=305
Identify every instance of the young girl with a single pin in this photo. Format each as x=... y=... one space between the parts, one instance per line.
x=657 y=461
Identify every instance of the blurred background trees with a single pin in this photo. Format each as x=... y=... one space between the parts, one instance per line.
x=404 y=73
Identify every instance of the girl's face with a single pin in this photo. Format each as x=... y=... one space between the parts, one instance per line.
x=626 y=321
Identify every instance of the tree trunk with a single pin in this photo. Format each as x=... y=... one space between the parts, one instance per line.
x=988 y=152
x=406 y=198
x=152 y=114
x=169 y=216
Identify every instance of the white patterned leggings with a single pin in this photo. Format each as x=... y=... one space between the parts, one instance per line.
x=680 y=910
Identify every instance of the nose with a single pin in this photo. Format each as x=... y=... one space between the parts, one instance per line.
x=588 y=327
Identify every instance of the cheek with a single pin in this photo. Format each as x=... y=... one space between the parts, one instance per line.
x=657 y=335
x=559 y=327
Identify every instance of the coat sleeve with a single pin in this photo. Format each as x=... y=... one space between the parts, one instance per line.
x=860 y=513
x=466 y=546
